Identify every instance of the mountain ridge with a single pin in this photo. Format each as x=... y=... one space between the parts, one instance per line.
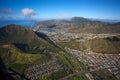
x=24 y=39
x=79 y=25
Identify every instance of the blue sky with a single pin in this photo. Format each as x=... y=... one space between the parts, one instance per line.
x=59 y=9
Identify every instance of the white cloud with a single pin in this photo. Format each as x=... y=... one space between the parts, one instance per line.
x=28 y=12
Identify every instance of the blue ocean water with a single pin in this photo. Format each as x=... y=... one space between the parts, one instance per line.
x=25 y=23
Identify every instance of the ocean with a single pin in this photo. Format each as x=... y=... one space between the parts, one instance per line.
x=25 y=23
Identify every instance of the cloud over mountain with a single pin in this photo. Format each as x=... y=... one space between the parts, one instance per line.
x=27 y=12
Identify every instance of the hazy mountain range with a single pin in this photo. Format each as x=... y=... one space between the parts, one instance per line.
x=79 y=25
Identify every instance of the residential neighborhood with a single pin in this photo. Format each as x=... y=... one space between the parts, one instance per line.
x=98 y=61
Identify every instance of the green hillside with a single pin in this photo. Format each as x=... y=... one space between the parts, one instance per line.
x=20 y=47
x=24 y=39
x=18 y=60
x=100 y=45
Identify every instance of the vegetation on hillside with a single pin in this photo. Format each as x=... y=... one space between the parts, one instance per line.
x=24 y=39
x=109 y=45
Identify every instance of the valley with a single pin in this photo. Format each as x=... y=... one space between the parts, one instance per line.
x=99 y=52
x=106 y=60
